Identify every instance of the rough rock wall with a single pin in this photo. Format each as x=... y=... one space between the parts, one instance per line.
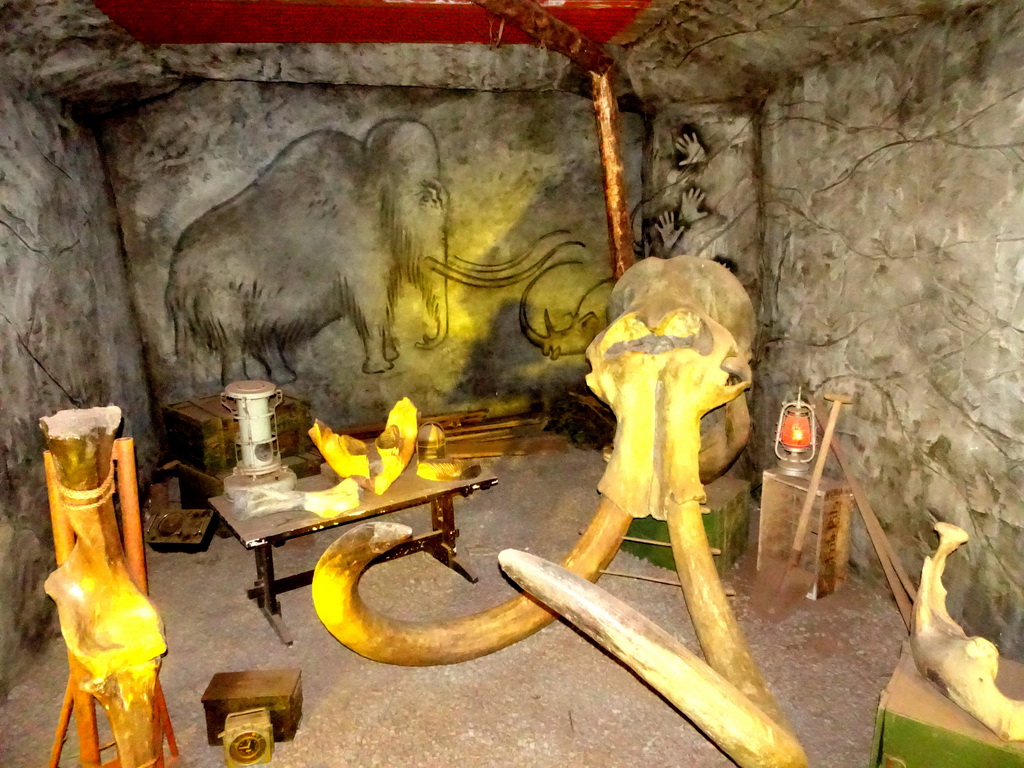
x=277 y=186
x=66 y=338
x=895 y=235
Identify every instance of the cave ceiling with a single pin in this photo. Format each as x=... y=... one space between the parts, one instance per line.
x=699 y=51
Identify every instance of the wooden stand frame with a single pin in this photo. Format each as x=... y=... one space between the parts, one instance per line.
x=829 y=528
x=77 y=701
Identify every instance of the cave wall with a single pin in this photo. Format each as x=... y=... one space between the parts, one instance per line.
x=255 y=222
x=66 y=338
x=895 y=239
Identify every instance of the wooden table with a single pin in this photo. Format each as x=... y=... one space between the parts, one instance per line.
x=262 y=534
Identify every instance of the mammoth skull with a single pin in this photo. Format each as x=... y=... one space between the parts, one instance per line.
x=660 y=381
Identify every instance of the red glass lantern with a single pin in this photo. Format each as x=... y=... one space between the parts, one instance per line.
x=796 y=437
x=795 y=432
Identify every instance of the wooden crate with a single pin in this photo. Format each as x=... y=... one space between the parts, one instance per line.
x=277 y=690
x=726 y=526
x=201 y=432
x=918 y=727
x=827 y=548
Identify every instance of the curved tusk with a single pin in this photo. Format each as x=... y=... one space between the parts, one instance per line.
x=720 y=636
x=382 y=638
x=720 y=447
x=715 y=705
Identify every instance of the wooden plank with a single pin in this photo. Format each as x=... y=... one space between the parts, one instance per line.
x=833 y=553
x=903 y=590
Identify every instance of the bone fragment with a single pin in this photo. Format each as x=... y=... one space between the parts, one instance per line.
x=262 y=501
x=395 y=446
x=455 y=469
x=710 y=701
x=113 y=634
x=347 y=456
x=963 y=667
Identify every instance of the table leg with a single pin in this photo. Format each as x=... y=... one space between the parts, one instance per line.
x=266 y=597
x=442 y=519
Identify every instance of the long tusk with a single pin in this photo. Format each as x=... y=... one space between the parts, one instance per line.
x=720 y=447
x=382 y=638
x=719 y=634
x=497 y=280
x=714 y=704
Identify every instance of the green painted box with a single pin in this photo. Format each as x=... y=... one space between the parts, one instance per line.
x=919 y=727
x=726 y=526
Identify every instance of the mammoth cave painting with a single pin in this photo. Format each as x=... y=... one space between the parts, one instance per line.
x=330 y=230
x=364 y=244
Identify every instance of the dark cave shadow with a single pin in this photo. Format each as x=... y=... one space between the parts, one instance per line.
x=491 y=366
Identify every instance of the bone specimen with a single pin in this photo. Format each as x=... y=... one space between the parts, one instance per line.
x=112 y=631
x=963 y=667
x=395 y=446
x=655 y=287
x=453 y=469
x=347 y=456
x=710 y=701
x=660 y=376
x=350 y=459
x=702 y=317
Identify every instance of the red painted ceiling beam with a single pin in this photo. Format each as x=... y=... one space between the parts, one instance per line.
x=551 y=33
x=348 y=21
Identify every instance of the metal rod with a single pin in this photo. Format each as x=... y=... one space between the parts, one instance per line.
x=647 y=541
x=714 y=550
x=729 y=591
x=655 y=579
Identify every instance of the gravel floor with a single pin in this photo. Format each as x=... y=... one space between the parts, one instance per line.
x=552 y=700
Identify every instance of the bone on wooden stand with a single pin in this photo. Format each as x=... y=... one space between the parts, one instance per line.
x=804 y=519
x=76 y=701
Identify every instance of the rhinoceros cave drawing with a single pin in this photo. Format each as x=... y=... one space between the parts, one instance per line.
x=511 y=383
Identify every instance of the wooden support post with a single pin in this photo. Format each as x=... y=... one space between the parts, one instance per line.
x=131 y=514
x=620 y=233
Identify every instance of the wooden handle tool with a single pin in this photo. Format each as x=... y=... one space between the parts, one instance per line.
x=812 y=490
